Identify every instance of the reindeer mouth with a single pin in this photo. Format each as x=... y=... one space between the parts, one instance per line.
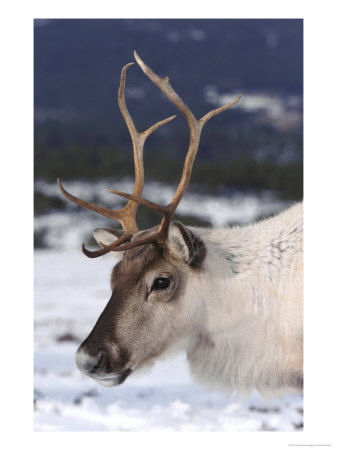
x=124 y=376
x=114 y=380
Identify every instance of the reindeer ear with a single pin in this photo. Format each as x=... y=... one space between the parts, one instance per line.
x=107 y=236
x=184 y=244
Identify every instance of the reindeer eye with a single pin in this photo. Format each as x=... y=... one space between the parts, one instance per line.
x=160 y=284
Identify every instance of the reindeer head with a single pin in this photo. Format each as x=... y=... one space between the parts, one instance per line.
x=150 y=308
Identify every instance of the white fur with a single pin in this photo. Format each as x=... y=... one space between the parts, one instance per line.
x=245 y=307
x=107 y=237
x=240 y=313
x=104 y=235
x=83 y=359
x=177 y=245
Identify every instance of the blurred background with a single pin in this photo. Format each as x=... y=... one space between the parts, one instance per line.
x=249 y=165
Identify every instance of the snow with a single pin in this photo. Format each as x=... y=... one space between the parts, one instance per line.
x=67 y=229
x=281 y=111
x=70 y=293
x=164 y=399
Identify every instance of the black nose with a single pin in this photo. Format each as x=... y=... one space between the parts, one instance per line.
x=105 y=362
x=102 y=364
x=92 y=362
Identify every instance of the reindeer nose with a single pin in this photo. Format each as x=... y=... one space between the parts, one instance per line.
x=92 y=362
x=108 y=364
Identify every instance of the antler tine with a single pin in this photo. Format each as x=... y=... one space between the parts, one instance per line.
x=106 y=248
x=124 y=215
x=111 y=214
x=195 y=128
x=138 y=141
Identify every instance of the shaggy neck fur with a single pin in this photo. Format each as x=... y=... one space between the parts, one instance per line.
x=249 y=332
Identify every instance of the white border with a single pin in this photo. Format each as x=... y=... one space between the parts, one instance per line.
x=320 y=221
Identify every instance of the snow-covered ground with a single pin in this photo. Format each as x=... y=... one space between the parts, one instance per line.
x=70 y=293
x=67 y=229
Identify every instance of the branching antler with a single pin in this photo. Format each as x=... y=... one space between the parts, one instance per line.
x=195 y=128
x=127 y=215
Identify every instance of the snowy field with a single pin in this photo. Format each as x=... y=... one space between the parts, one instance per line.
x=70 y=293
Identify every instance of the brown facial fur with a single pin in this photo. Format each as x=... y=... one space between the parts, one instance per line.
x=135 y=308
x=139 y=322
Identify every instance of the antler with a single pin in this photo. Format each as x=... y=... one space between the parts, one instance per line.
x=127 y=215
x=195 y=128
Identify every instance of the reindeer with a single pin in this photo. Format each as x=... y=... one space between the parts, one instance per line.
x=231 y=298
